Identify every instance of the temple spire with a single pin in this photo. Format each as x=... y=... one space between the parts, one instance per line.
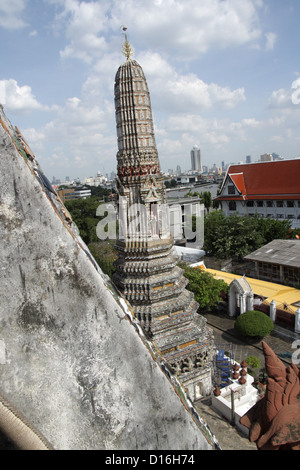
x=126 y=49
x=146 y=271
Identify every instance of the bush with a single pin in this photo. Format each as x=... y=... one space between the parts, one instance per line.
x=254 y=324
x=253 y=362
x=208 y=291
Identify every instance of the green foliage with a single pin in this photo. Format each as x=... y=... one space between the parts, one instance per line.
x=83 y=212
x=236 y=236
x=105 y=254
x=207 y=290
x=254 y=324
x=170 y=184
x=100 y=192
x=253 y=362
x=206 y=198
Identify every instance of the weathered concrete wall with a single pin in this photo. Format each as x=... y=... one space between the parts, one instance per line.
x=73 y=363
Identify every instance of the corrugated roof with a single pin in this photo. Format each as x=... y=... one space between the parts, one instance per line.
x=269 y=290
x=280 y=252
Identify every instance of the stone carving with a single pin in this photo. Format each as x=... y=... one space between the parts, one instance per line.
x=146 y=269
x=190 y=363
x=140 y=170
x=274 y=421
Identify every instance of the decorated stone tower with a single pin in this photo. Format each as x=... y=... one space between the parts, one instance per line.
x=147 y=273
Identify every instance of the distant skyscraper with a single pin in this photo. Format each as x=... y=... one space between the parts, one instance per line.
x=266 y=157
x=196 y=159
x=248 y=159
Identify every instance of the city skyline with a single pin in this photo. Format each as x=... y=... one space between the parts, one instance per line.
x=221 y=75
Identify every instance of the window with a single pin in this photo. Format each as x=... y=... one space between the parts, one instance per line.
x=250 y=203
x=232 y=205
x=260 y=203
x=279 y=203
x=231 y=189
x=269 y=203
x=270 y=271
x=291 y=274
x=290 y=203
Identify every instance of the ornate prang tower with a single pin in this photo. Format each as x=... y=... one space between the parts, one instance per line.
x=146 y=271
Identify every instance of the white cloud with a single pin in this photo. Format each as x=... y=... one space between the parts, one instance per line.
x=167 y=35
x=80 y=136
x=190 y=28
x=270 y=41
x=11 y=14
x=212 y=131
x=84 y=24
x=184 y=29
x=286 y=99
x=183 y=92
x=19 y=98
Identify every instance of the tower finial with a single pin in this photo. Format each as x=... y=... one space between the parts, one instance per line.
x=126 y=49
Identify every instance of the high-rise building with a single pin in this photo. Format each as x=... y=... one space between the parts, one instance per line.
x=147 y=273
x=196 y=159
x=266 y=157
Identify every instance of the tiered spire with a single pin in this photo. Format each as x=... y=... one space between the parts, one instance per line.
x=146 y=271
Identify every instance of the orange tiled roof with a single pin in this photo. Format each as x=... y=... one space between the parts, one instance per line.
x=266 y=180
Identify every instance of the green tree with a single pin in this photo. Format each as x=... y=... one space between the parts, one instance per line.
x=207 y=200
x=273 y=229
x=236 y=236
x=83 y=212
x=101 y=192
x=254 y=324
x=171 y=184
x=207 y=290
x=254 y=365
x=105 y=255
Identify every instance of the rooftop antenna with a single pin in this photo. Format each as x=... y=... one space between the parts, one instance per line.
x=126 y=49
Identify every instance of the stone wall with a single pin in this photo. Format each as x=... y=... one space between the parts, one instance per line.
x=74 y=362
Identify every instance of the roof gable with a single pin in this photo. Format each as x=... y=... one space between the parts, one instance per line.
x=238 y=180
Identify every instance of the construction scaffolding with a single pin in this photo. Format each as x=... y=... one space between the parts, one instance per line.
x=223 y=362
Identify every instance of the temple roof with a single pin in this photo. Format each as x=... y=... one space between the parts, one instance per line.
x=264 y=180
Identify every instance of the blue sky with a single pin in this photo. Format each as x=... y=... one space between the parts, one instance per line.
x=222 y=74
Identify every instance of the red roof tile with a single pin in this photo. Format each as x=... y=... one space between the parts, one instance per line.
x=266 y=180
